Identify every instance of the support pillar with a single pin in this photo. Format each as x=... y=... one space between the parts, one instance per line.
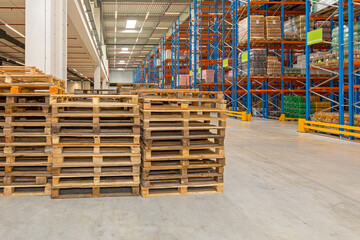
x=104 y=84
x=97 y=78
x=46 y=36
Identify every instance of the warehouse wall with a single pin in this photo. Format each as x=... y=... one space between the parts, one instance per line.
x=121 y=76
x=77 y=85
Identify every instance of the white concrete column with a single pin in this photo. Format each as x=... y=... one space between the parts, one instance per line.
x=46 y=36
x=105 y=85
x=97 y=77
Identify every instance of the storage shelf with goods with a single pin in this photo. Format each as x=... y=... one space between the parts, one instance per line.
x=165 y=74
x=182 y=142
x=340 y=31
x=209 y=44
x=270 y=39
x=96 y=145
x=179 y=55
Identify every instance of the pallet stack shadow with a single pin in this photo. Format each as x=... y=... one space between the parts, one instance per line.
x=25 y=158
x=96 y=145
x=183 y=135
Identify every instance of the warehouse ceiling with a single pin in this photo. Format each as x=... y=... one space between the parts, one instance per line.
x=128 y=46
x=12 y=13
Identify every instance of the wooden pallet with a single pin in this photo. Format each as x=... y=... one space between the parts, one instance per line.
x=15 y=170
x=95 y=149
x=183 y=124
x=93 y=100
x=28 y=129
x=176 y=189
x=182 y=176
x=26 y=161
x=180 y=95
x=87 y=160
x=96 y=170
x=89 y=139
x=124 y=88
x=21 y=140
x=185 y=114
x=26 y=150
x=25 y=190
x=27 y=118
x=97 y=129
x=185 y=163
x=11 y=179
x=95 y=91
x=95 y=191
x=185 y=142
x=30 y=88
x=183 y=154
x=100 y=181
x=85 y=119
x=171 y=178
x=20 y=70
x=31 y=80
x=180 y=150
x=167 y=134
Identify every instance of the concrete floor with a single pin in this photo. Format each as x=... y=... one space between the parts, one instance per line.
x=279 y=184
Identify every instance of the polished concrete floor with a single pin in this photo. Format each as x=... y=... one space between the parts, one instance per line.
x=279 y=184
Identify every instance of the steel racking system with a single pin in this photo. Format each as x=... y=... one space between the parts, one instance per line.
x=342 y=88
x=210 y=39
x=269 y=90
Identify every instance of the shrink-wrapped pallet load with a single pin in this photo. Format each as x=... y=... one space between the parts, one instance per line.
x=272 y=28
x=256 y=29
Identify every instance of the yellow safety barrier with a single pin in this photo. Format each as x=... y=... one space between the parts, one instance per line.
x=243 y=115
x=307 y=126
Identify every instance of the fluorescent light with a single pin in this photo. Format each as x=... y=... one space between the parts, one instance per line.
x=129 y=31
x=13 y=29
x=171 y=13
x=161 y=28
x=124 y=49
x=131 y=23
x=154 y=38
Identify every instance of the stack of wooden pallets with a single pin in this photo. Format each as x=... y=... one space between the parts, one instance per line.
x=25 y=120
x=183 y=135
x=25 y=158
x=29 y=80
x=130 y=88
x=96 y=145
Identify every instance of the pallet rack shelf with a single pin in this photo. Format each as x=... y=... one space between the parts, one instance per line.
x=341 y=61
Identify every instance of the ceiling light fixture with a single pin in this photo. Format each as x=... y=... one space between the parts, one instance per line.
x=129 y=31
x=131 y=23
x=172 y=13
x=13 y=29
